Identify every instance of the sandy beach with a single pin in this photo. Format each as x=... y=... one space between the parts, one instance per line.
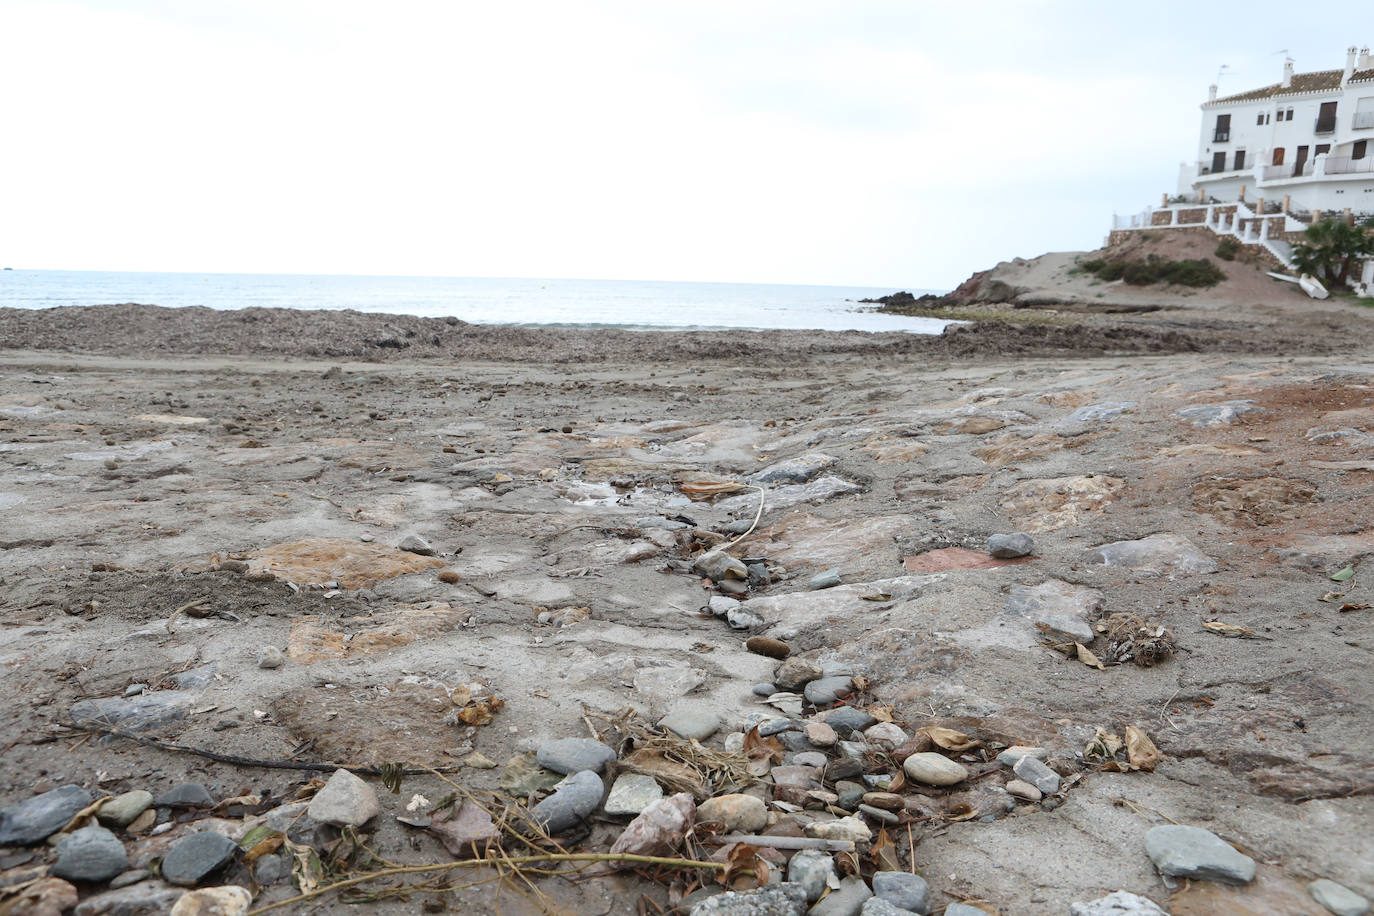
x=181 y=489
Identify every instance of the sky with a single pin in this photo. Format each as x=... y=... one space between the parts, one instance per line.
x=855 y=142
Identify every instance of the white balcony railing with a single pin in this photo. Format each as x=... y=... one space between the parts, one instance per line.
x=1344 y=165
x=1363 y=120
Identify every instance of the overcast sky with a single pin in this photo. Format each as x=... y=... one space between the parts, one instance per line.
x=867 y=143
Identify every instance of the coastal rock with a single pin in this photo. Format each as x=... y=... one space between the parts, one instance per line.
x=573 y=801
x=720 y=605
x=36 y=819
x=735 y=813
x=229 y=900
x=820 y=734
x=137 y=713
x=121 y=810
x=876 y=906
x=826 y=579
x=697 y=723
x=1156 y=555
x=43 y=897
x=1224 y=414
x=793 y=470
x=1338 y=898
x=789 y=495
x=883 y=734
x=903 y=889
x=345 y=801
x=717 y=565
x=1120 y=903
x=1024 y=790
x=774 y=900
x=1011 y=755
x=934 y=769
x=1181 y=851
x=741 y=619
x=1037 y=774
x=271 y=657
x=196 y=857
x=413 y=543
x=1096 y=414
x=848 y=718
x=1010 y=546
x=572 y=755
x=632 y=793
x=90 y=854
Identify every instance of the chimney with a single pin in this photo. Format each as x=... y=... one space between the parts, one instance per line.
x=1212 y=93
x=1364 y=63
x=1287 y=73
x=1350 y=54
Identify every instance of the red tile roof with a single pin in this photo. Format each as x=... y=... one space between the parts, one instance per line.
x=1302 y=82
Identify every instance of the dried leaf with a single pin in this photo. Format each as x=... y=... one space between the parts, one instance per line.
x=861 y=683
x=768 y=749
x=705 y=487
x=262 y=848
x=482 y=711
x=1354 y=607
x=461 y=695
x=881 y=713
x=1102 y=747
x=949 y=739
x=877 y=596
x=1331 y=596
x=883 y=853
x=1088 y=658
x=1140 y=750
x=744 y=870
x=1343 y=574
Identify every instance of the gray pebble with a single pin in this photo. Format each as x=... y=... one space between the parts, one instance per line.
x=121 y=810
x=1037 y=774
x=847 y=900
x=776 y=900
x=270 y=869
x=90 y=854
x=1010 y=546
x=878 y=814
x=186 y=795
x=1337 y=898
x=196 y=857
x=1190 y=852
x=36 y=819
x=572 y=755
x=573 y=801
x=270 y=657
x=691 y=722
x=847 y=717
x=774 y=727
x=903 y=889
x=413 y=543
x=877 y=906
x=809 y=759
x=811 y=869
x=827 y=579
x=827 y=690
x=764 y=690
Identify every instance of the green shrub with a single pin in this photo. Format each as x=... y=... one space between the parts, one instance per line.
x=1226 y=249
x=1196 y=272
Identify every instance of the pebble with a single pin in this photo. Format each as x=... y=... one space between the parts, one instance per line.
x=1022 y=789
x=573 y=800
x=844 y=828
x=934 y=769
x=758 y=575
x=1181 y=851
x=121 y=810
x=794 y=470
x=270 y=657
x=719 y=605
x=878 y=814
x=767 y=645
x=886 y=734
x=146 y=899
x=795 y=673
x=572 y=755
x=717 y=565
x=1337 y=898
x=734 y=743
x=1011 y=755
x=774 y=727
x=846 y=900
x=345 y=801
x=764 y=690
x=776 y=900
x=36 y=819
x=1037 y=774
x=827 y=579
x=90 y=854
x=888 y=801
x=134 y=690
x=143 y=823
x=1120 y=903
x=835 y=668
x=1010 y=546
x=270 y=869
x=813 y=870
x=632 y=793
x=740 y=619
x=186 y=795
x=849 y=718
x=854 y=750
x=963 y=909
x=813 y=759
x=413 y=543
x=196 y=857
x=732 y=587
x=876 y=906
x=229 y=900
x=691 y=722
x=826 y=691
x=737 y=813
x=903 y=889
x=820 y=734
x=850 y=794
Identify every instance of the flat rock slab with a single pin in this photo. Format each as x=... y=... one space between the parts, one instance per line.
x=137 y=713
x=1180 y=851
x=38 y=818
x=1338 y=898
x=793 y=470
x=806 y=540
x=351 y=564
x=1209 y=415
x=1272 y=893
x=784 y=497
x=1120 y=903
x=196 y=857
x=802 y=611
x=1096 y=414
x=1063 y=608
x=1052 y=503
x=313 y=639
x=632 y=793
x=1156 y=555
x=950 y=558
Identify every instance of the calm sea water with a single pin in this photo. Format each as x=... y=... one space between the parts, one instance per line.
x=573 y=303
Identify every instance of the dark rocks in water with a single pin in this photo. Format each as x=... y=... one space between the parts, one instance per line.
x=906 y=298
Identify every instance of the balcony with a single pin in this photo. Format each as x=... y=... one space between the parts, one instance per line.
x=1344 y=165
x=1363 y=120
x=1221 y=136
x=1325 y=125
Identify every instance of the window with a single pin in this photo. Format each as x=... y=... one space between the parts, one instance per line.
x=1322 y=148
x=1278 y=155
x=1223 y=131
x=1259 y=120
x=1358 y=150
x=1240 y=159
x=1218 y=162
x=1326 y=118
x=1289 y=116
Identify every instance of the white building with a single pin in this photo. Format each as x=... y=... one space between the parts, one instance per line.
x=1305 y=139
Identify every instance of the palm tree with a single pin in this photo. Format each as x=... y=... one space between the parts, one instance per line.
x=1330 y=249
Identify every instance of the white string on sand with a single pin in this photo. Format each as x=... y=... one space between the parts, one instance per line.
x=757 y=515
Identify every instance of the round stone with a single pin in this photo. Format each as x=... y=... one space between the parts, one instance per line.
x=572 y=801
x=270 y=657
x=90 y=854
x=345 y=801
x=902 y=889
x=934 y=769
x=1010 y=546
x=229 y=900
x=735 y=813
x=1024 y=790
x=122 y=810
x=812 y=869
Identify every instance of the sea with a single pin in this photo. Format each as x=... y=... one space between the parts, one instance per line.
x=631 y=304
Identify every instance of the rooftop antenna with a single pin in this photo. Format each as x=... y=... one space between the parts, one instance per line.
x=1221 y=71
